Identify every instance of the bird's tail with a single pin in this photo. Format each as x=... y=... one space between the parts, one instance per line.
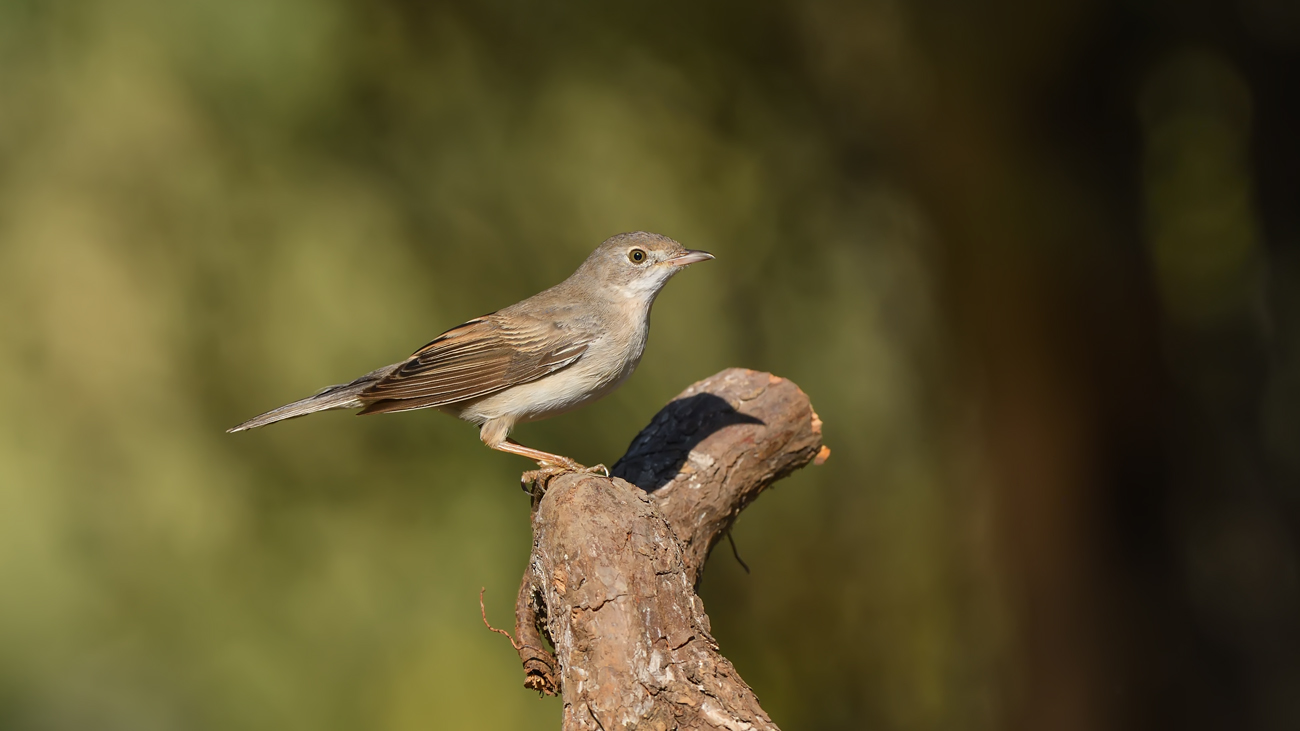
x=343 y=396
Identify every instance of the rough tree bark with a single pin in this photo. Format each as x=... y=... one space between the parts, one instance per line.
x=615 y=562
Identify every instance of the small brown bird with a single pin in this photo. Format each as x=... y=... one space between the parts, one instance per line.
x=551 y=353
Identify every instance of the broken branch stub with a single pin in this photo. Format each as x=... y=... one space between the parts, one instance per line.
x=615 y=562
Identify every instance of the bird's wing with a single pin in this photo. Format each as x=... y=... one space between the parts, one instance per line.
x=481 y=357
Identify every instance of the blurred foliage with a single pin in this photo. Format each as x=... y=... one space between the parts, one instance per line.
x=1035 y=266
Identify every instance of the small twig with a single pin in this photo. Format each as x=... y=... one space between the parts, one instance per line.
x=483 y=610
x=734 y=552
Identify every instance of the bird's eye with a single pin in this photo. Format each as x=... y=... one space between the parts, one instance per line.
x=636 y=256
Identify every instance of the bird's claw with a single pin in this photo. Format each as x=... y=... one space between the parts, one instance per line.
x=572 y=466
x=534 y=482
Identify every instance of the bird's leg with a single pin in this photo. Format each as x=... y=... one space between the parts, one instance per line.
x=546 y=460
x=549 y=465
x=534 y=482
x=543 y=459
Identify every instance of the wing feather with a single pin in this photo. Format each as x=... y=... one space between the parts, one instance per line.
x=476 y=359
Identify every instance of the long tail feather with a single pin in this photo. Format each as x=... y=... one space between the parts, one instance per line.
x=343 y=396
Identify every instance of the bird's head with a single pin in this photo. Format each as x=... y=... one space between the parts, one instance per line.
x=638 y=264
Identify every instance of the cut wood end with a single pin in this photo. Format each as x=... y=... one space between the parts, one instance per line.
x=822 y=455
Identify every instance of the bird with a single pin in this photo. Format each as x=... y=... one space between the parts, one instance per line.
x=551 y=353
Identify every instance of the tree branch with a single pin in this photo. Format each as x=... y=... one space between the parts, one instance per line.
x=611 y=581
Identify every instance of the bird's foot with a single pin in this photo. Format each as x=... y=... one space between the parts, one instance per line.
x=569 y=465
x=535 y=482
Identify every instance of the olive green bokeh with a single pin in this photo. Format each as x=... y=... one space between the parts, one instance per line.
x=208 y=209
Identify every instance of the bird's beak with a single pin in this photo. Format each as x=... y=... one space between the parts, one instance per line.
x=690 y=257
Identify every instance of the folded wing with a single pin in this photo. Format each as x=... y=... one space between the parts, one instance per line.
x=474 y=360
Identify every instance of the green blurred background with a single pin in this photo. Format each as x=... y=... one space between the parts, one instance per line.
x=1036 y=266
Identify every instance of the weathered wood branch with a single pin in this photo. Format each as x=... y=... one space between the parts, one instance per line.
x=615 y=562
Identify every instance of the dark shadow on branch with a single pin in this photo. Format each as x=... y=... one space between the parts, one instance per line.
x=657 y=454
